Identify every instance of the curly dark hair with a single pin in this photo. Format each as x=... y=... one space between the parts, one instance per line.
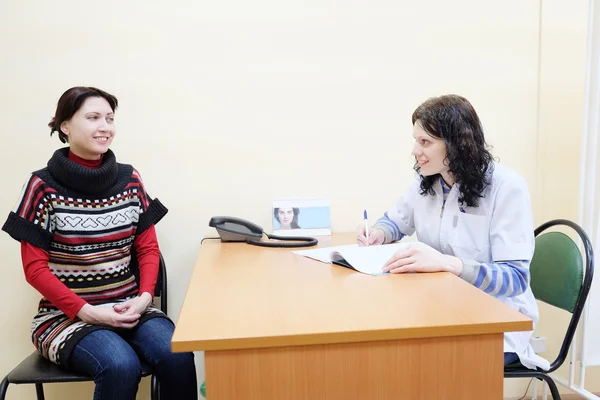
x=453 y=119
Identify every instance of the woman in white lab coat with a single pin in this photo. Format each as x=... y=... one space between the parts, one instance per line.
x=474 y=214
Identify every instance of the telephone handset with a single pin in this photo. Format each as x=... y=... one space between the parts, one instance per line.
x=232 y=229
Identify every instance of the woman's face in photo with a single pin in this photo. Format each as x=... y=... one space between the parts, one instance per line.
x=285 y=215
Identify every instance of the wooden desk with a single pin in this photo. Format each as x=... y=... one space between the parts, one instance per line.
x=275 y=325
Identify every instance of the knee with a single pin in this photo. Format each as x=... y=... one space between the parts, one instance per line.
x=125 y=368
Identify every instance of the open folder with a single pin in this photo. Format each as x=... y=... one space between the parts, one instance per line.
x=366 y=259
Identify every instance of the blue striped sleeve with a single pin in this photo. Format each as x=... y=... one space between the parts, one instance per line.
x=503 y=279
x=390 y=228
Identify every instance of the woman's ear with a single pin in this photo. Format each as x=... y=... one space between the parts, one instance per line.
x=64 y=127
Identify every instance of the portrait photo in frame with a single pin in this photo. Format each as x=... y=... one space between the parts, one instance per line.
x=301 y=217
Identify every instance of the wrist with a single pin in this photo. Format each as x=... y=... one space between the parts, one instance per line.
x=147 y=298
x=86 y=313
x=73 y=311
x=454 y=265
x=385 y=233
x=146 y=295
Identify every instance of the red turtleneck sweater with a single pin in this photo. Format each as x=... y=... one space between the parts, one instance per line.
x=38 y=275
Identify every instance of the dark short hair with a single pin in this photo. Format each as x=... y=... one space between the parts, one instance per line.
x=71 y=101
x=453 y=119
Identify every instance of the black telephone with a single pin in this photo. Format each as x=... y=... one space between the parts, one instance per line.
x=232 y=229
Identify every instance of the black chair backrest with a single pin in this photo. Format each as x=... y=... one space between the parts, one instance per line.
x=558 y=275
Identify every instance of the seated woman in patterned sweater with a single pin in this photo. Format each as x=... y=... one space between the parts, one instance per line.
x=77 y=220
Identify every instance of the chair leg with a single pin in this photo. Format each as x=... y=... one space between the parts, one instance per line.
x=154 y=389
x=39 y=390
x=3 y=388
x=553 y=388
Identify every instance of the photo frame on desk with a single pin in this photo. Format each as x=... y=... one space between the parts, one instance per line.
x=301 y=217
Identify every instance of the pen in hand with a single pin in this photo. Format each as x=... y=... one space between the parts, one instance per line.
x=366 y=227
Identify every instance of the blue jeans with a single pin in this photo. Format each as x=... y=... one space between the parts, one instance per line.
x=113 y=359
x=510 y=358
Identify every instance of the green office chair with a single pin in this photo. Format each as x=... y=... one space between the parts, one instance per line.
x=559 y=277
x=203 y=390
x=38 y=370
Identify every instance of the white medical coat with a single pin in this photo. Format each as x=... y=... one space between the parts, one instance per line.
x=499 y=229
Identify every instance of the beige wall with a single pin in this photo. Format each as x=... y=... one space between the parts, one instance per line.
x=227 y=105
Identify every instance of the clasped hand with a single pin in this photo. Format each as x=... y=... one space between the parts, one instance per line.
x=122 y=315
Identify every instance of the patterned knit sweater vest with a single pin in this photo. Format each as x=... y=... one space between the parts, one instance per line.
x=87 y=220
